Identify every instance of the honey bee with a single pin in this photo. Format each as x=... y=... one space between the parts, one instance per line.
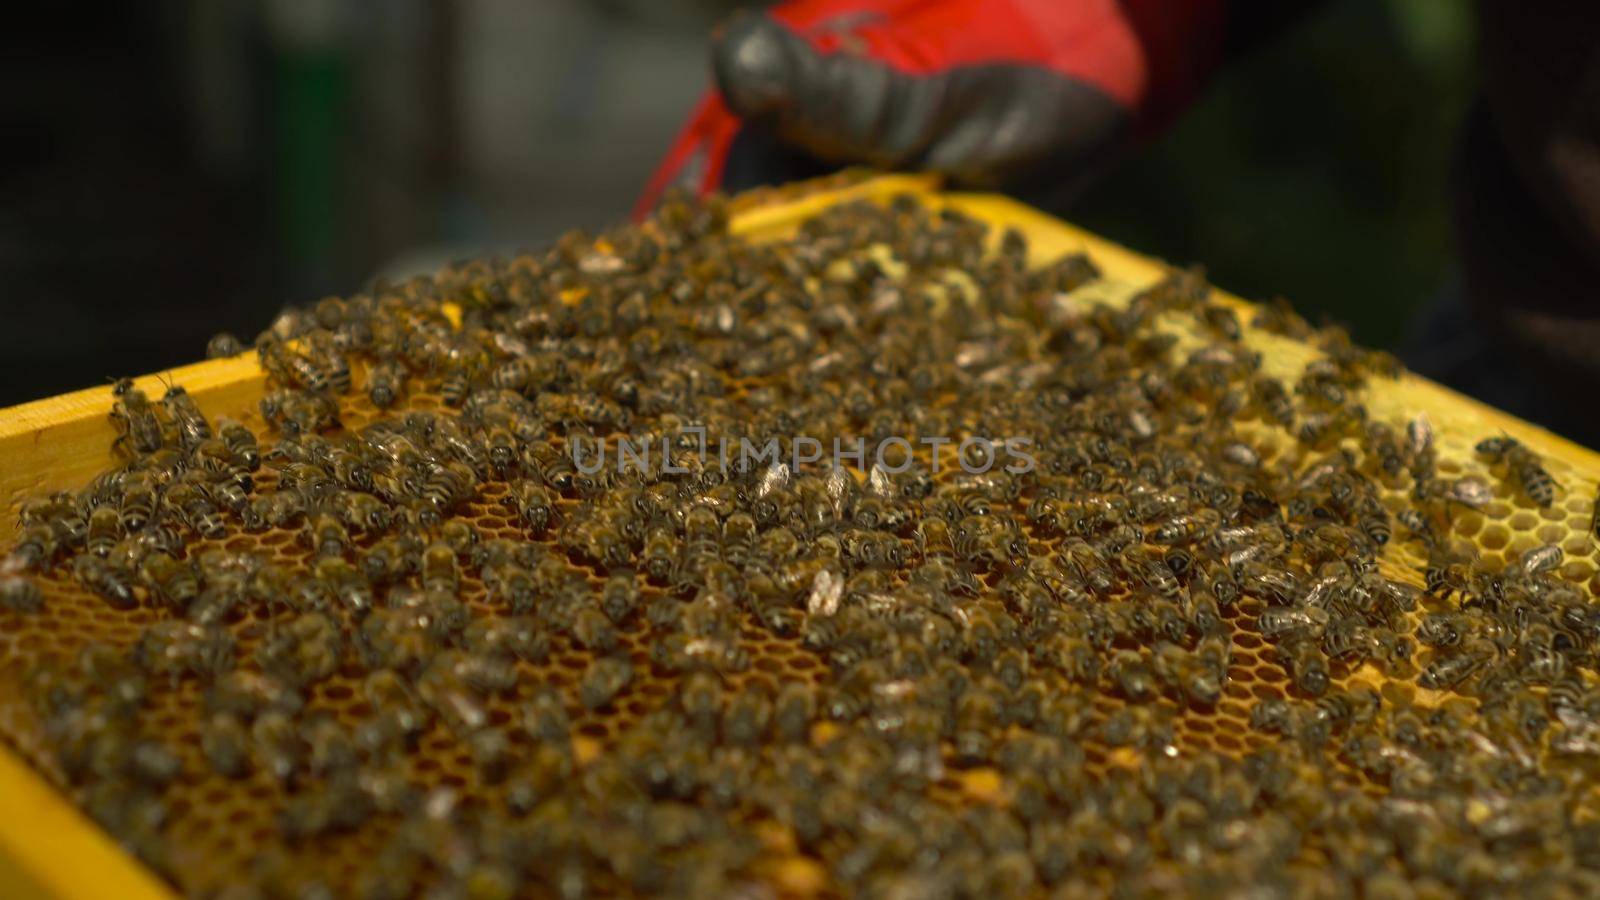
x=545 y=718
x=1540 y=560
x=448 y=485
x=1496 y=447
x=794 y=709
x=512 y=585
x=104 y=530
x=503 y=452
x=1152 y=572
x=168 y=580
x=1307 y=665
x=1447 y=573
x=36 y=549
x=1089 y=564
x=1594 y=518
x=517 y=636
x=1450 y=671
x=619 y=597
x=135 y=419
x=1280 y=586
x=1374 y=524
x=1221 y=320
x=491 y=673
x=293 y=413
x=246 y=694
x=1188 y=528
x=1275 y=715
x=151 y=764
x=1444 y=629
x=458 y=705
x=334 y=364
x=747 y=716
x=491 y=753
x=439 y=570
x=105 y=581
x=194 y=508
x=277 y=748
x=213 y=456
x=187 y=419
x=1420 y=524
x=1271 y=399
x=173 y=647
x=395 y=705
x=1525 y=468
x=1469 y=490
x=701 y=702
x=230 y=495
x=223 y=344
x=1542 y=664
x=1382 y=444
x=304 y=651
x=225 y=744
x=1287 y=624
x=390 y=559
x=341 y=581
x=326 y=535
x=386 y=383
x=362 y=513
x=1536 y=483
x=592 y=630
x=290 y=369
x=1139 y=726
x=20 y=594
x=1132 y=676
x=407 y=636
x=455 y=387
x=605 y=678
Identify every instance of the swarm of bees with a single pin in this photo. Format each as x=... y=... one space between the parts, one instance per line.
x=396 y=641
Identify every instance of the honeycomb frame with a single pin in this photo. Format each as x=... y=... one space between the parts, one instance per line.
x=37 y=438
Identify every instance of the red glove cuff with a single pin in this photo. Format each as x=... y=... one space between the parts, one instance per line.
x=697 y=156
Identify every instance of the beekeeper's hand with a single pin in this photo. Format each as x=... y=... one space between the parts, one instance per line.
x=999 y=94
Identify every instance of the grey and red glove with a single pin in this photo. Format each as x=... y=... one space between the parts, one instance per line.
x=998 y=94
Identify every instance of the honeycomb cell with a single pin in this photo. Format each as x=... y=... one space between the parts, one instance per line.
x=1494 y=537
x=1578 y=571
x=1519 y=546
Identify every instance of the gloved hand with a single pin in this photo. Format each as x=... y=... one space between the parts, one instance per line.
x=997 y=94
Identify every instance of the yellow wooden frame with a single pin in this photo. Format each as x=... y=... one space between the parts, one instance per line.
x=50 y=849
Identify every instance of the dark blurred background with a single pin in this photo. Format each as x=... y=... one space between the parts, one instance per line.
x=171 y=169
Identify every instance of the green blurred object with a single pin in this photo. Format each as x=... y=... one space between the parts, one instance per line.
x=1316 y=169
x=312 y=89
